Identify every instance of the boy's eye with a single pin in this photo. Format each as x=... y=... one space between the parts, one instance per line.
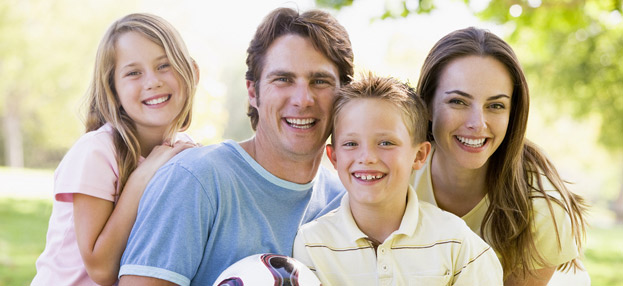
x=349 y=144
x=386 y=143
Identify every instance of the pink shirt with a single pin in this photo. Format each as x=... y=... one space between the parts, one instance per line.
x=90 y=168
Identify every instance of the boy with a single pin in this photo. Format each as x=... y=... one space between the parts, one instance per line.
x=381 y=234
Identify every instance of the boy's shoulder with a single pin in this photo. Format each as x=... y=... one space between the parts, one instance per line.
x=432 y=218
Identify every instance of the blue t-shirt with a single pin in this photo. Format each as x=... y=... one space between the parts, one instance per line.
x=212 y=206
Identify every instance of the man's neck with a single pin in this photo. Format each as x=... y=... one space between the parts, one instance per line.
x=300 y=169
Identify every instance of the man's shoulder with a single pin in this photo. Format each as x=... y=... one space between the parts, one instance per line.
x=205 y=155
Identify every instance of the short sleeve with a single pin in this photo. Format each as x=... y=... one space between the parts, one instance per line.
x=546 y=240
x=89 y=168
x=299 y=252
x=171 y=229
x=476 y=263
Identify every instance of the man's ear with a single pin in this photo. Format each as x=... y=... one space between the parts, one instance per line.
x=422 y=153
x=253 y=101
x=331 y=155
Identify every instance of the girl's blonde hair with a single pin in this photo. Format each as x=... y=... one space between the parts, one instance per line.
x=103 y=101
x=514 y=172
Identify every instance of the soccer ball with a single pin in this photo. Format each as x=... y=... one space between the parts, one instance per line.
x=267 y=269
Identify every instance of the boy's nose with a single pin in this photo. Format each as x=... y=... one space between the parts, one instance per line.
x=368 y=155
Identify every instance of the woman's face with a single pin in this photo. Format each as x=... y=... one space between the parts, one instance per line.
x=470 y=110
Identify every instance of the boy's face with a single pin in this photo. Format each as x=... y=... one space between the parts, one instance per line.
x=374 y=153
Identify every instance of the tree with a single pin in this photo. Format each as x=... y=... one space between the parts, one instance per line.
x=572 y=47
x=47 y=50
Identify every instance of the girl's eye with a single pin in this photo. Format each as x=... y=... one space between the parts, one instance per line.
x=164 y=66
x=386 y=143
x=132 y=73
x=349 y=144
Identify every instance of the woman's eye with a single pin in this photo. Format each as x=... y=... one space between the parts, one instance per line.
x=132 y=73
x=497 y=106
x=456 y=101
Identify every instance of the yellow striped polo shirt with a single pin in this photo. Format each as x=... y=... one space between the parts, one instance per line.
x=431 y=247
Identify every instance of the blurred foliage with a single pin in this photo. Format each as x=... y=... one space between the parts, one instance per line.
x=572 y=48
x=47 y=50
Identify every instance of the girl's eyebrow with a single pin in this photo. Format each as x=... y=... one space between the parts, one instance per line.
x=132 y=64
x=465 y=94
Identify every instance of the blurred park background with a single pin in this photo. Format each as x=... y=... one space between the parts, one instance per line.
x=571 y=50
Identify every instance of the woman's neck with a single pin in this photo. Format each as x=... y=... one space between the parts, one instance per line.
x=457 y=189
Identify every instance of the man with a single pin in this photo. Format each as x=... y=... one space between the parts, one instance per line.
x=211 y=206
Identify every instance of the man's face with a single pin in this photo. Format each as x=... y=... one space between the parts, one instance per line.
x=294 y=98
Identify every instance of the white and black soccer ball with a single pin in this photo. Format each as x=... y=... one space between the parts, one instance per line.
x=267 y=269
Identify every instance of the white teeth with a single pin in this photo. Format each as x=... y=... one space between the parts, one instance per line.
x=368 y=177
x=474 y=143
x=300 y=123
x=157 y=100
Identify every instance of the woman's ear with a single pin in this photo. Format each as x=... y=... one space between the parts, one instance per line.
x=423 y=149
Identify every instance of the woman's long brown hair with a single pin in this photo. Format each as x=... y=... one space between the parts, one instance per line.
x=513 y=177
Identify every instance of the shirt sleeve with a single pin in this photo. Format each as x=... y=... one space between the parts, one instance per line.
x=299 y=251
x=546 y=240
x=171 y=229
x=477 y=263
x=89 y=168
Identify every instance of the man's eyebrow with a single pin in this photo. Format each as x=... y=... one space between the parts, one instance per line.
x=322 y=74
x=280 y=73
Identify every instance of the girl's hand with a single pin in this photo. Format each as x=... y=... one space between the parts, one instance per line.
x=159 y=156
x=163 y=153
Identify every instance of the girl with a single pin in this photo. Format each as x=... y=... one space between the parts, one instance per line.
x=482 y=168
x=140 y=97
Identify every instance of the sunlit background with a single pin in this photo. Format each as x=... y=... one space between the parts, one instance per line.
x=47 y=52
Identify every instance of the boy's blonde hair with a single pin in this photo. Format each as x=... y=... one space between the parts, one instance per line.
x=103 y=101
x=412 y=110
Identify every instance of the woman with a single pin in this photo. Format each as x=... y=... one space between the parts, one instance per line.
x=482 y=168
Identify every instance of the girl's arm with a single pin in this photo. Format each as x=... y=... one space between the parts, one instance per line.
x=541 y=278
x=102 y=230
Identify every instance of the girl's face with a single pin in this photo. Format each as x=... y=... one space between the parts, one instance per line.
x=470 y=110
x=146 y=83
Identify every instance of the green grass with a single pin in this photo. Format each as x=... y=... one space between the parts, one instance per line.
x=23 y=226
x=604 y=256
